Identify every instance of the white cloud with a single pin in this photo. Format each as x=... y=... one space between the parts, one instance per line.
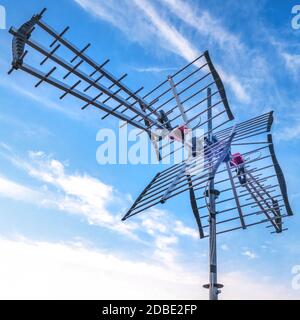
x=205 y=24
x=180 y=45
x=122 y=15
x=171 y=39
x=24 y=129
x=12 y=190
x=44 y=270
x=291 y=132
x=78 y=194
x=235 y=85
x=88 y=197
x=245 y=286
x=63 y=271
x=151 y=225
x=153 y=27
x=154 y=69
x=5 y=146
x=41 y=270
x=164 y=252
x=249 y=254
x=292 y=62
x=224 y=247
x=183 y=230
x=41 y=100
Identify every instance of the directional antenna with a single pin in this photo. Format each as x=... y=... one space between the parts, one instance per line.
x=235 y=182
x=179 y=100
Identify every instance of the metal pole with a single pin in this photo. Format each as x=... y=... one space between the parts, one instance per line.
x=213 y=290
x=213 y=283
x=179 y=104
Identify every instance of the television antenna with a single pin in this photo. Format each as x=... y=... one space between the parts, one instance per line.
x=236 y=166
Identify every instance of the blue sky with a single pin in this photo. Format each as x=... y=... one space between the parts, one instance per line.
x=60 y=229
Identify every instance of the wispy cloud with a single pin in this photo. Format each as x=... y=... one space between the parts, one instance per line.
x=171 y=38
x=235 y=85
x=205 y=24
x=183 y=230
x=78 y=194
x=153 y=27
x=292 y=62
x=45 y=270
x=178 y=44
x=154 y=69
x=210 y=27
x=98 y=203
x=290 y=132
x=12 y=190
x=249 y=254
x=284 y=51
x=46 y=99
x=122 y=15
x=224 y=247
x=28 y=130
x=39 y=99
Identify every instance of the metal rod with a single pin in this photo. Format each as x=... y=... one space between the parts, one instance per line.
x=179 y=104
x=236 y=218
x=52 y=52
x=140 y=196
x=213 y=281
x=81 y=52
x=169 y=89
x=87 y=59
x=112 y=85
x=251 y=135
x=249 y=143
x=262 y=125
x=241 y=126
x=120 y=105
x=195 y=105
x=218 y=126
x=228 y=189
x=244 y=205
x=236 y=198
x=262 y=208
x=181 y=179
x=183 y=90
x=197 y=184
x=181 y=184
x=240 y=196
x=193 y=118
x=76 y=94
x=258 y=193
x=170 y=99
x=195 y=210
x=245 y=123
x=60 y=35
x=173 y=185
x=198 y=161
x=86 y=78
